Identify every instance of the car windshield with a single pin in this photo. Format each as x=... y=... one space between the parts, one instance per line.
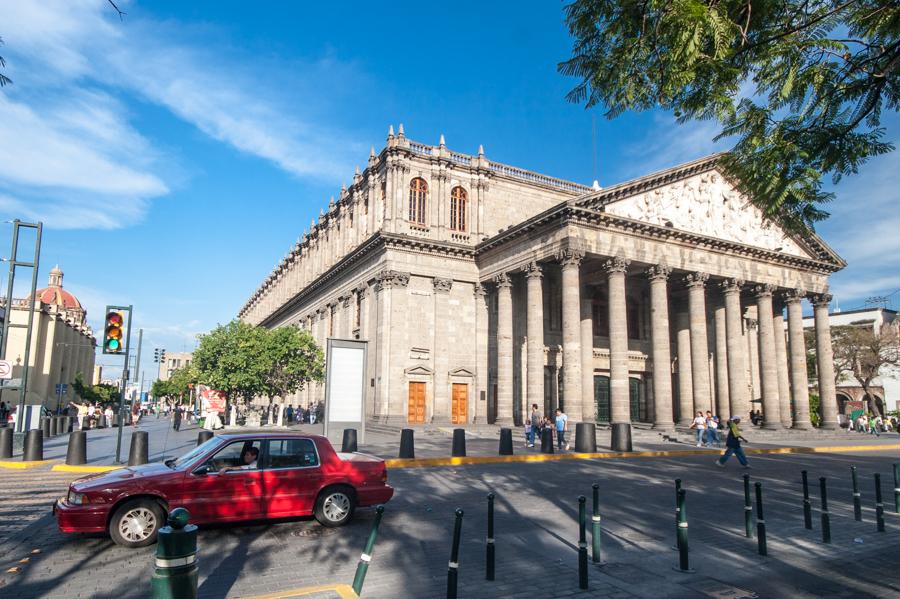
x=193 y=454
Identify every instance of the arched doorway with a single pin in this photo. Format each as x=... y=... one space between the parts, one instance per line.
x=842 y=403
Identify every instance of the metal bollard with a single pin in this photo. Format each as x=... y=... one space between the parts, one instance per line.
x=459 y=443
x=677 y=510
x=45 y=427
x=857 y=506
x=489 y=547
x=748 y=509
x=203 y=437
x=54 y=429
x=681 y=532
x=76 y=452
x=453 y=566
x=363 y=566
x=586 y=437
x=33 y=450
x=407 y=444
x=807 y=505
x=506 y=442
x=596 y=555
x=175 y=576
x=348 y=443
x=826 y=522
x=897 y=488
x=879 y=505
x=547 y=440
x=582 y=543
x=139 y=452
x=6 y=442
x=760 y=522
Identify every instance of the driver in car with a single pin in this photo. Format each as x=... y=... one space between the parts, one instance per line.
x=248 y=459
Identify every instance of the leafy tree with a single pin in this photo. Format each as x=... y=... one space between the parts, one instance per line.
x=180 y=380
x=862 y=353
x=801 y=85
x=295 y=361
x=99 y=394
x=4 y=80
x=161 y=389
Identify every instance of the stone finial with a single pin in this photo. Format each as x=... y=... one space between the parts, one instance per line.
x=400 y=130
x=596 y=185
x=442 y=143
x=532 y=270
x=344 y=186
x=391 y=132
x=658 y=272
x=480 y=150
x=331 y=203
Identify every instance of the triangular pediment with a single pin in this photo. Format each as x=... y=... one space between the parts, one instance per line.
x=462 y=372
x=419 y=370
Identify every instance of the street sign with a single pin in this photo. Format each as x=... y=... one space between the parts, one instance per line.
x=5 y=369
x=61 y=388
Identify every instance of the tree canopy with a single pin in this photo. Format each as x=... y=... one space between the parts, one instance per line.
x=801 y=85
x=862 y=355
x=245 y=361
x=178 y=386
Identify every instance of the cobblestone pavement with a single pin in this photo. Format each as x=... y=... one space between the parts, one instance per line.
x=536 y=514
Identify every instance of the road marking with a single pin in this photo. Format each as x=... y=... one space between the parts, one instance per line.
x=68 y=468
x=26 y=465
x=343 y=591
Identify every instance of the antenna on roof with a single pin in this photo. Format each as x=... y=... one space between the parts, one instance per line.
x=594 y=142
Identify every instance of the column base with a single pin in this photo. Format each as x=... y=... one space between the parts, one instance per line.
x=829 y=426
x=772 y=426
x=802 y=426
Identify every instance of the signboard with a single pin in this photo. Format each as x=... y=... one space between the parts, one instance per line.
x=211 y=400
x=61 y=389
x=345 y=387
x=5 y=369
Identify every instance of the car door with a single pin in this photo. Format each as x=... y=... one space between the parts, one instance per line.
x=224 y=487
x=292 y=476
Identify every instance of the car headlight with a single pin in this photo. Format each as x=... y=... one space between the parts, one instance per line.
x=77 y=498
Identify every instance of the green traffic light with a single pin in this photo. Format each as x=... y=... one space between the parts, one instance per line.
x=113 y=344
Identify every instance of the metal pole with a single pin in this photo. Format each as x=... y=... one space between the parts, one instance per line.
x=595 y=527
x=137 y=365
x=26 y=365
x=857 y=507
x=807 y=505
x=760 y=521
x=122 y=395
x=826 y=523
x=366 y=556
x=681 y=532
x=897 y=488
x=582 y=543
x=879 y=504
x=748 y=509
x=490 y=549
x=453 y=566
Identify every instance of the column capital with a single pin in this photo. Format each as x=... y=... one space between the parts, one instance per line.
x=362 y=291
x=616 y=265
x=752 y=323
x=479 y=290
x=442 y=285
x=791 y=296
x=533 y=270
x=502 y=280
x=696 y=279
x=763 y=290
x=344 y=300
x=658 y=272
x=389 y=278
x=732 y=285
x=570 y=257
x=820 y=300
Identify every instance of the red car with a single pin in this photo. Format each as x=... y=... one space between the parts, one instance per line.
x=231 y=477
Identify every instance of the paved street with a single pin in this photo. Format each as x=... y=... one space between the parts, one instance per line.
x=536 y=534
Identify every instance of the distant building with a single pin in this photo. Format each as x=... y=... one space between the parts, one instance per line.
x=172 y=362
x=62 y=344
x=98 y=374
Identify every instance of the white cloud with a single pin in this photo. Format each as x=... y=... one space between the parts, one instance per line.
x=669 y=144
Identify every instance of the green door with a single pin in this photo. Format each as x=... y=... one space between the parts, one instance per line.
x=601 y=396
x=634 y=388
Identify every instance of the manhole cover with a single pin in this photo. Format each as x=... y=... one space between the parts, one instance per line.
x=315 y=531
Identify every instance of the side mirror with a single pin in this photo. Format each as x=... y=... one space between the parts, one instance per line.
x=201 y=471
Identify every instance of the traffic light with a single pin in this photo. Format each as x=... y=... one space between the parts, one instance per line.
x=114 y=332
x=156 y=355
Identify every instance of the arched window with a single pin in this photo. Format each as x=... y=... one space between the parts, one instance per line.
x=418 y=189
x=458 y=201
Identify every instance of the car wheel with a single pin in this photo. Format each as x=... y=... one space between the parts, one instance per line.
x=335 y=505
x=136 y=523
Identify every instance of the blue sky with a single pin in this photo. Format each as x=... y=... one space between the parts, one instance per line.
x=176 y=155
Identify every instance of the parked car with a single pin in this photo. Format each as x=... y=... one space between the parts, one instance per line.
x=231 y=477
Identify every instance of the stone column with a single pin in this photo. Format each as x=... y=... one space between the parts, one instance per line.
x=784 y=380
x=768 y=367
x=825 y=362
x=620 y=411
x=723 y=400
x=349 y=315
x=382 y=346
x=442 y=289
x=588 y=404
x=534 y=331
x=504 y=350
x=738 y=391
x=659 y=336
x=571 y=325
x=481 y=410
x=685 y=372
x=696 y=283
x=797 y=353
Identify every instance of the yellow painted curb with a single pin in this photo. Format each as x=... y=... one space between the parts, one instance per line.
x=87 y=469
x=344 y=591
x=26 y=465
x=553 y=457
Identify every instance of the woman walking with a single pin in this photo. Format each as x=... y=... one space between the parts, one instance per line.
x=733 y=444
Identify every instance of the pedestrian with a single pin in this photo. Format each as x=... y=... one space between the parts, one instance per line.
x=135 y=414
x=108 y=412
x=876 y=426
x=712 y=429
x=289 y=414
x=562 y=426
x=533 y=424
x=699 y=423
x=176 y=418
x=733 y=444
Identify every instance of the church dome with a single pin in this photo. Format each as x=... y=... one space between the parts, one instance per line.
x=55 y=295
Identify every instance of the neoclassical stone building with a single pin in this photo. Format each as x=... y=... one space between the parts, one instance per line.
x=482 y=288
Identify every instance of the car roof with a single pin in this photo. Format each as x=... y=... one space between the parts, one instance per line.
x=266 y=434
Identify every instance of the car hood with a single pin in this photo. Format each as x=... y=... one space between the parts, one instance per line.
x=119 y=476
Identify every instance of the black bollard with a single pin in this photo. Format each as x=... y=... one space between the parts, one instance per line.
x=54 y=429
x=897 y=488
x=139 y=449
x=621 y=436
x=857 y=501
x=760 y=522
x=748 y=509
x=204 y=436
x=101 y=422
x=70 y=424
x=489 y=548
x=6 y=442
x=807 y=505
x=586 y=437
x=506 y=443
x=582 y=544
x=407 y=444
x=826 y=522
x=45 y=427
x=348 y=444
x=76 y=452
x=681 y=532
x=453 y=566
x=596 y=556
x=459 y=443
x=879 y=505
x=547 y=440
x=34 y=446
x=677 y=509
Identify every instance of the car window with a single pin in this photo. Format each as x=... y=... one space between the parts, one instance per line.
x=235 y=455
x=195 y=453
x=292 y=453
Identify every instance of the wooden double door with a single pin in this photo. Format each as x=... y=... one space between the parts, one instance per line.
x=459 y=408
x=416 y=409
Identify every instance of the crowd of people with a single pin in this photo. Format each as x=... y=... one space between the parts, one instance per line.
x=872 y=424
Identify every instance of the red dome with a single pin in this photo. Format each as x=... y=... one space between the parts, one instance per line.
x=58 y=296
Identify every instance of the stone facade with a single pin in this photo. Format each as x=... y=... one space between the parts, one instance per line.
x=483 y=288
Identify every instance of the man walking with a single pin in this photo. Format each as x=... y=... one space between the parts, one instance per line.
x=733 y=444
x=562 y=425
x=176 y=418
